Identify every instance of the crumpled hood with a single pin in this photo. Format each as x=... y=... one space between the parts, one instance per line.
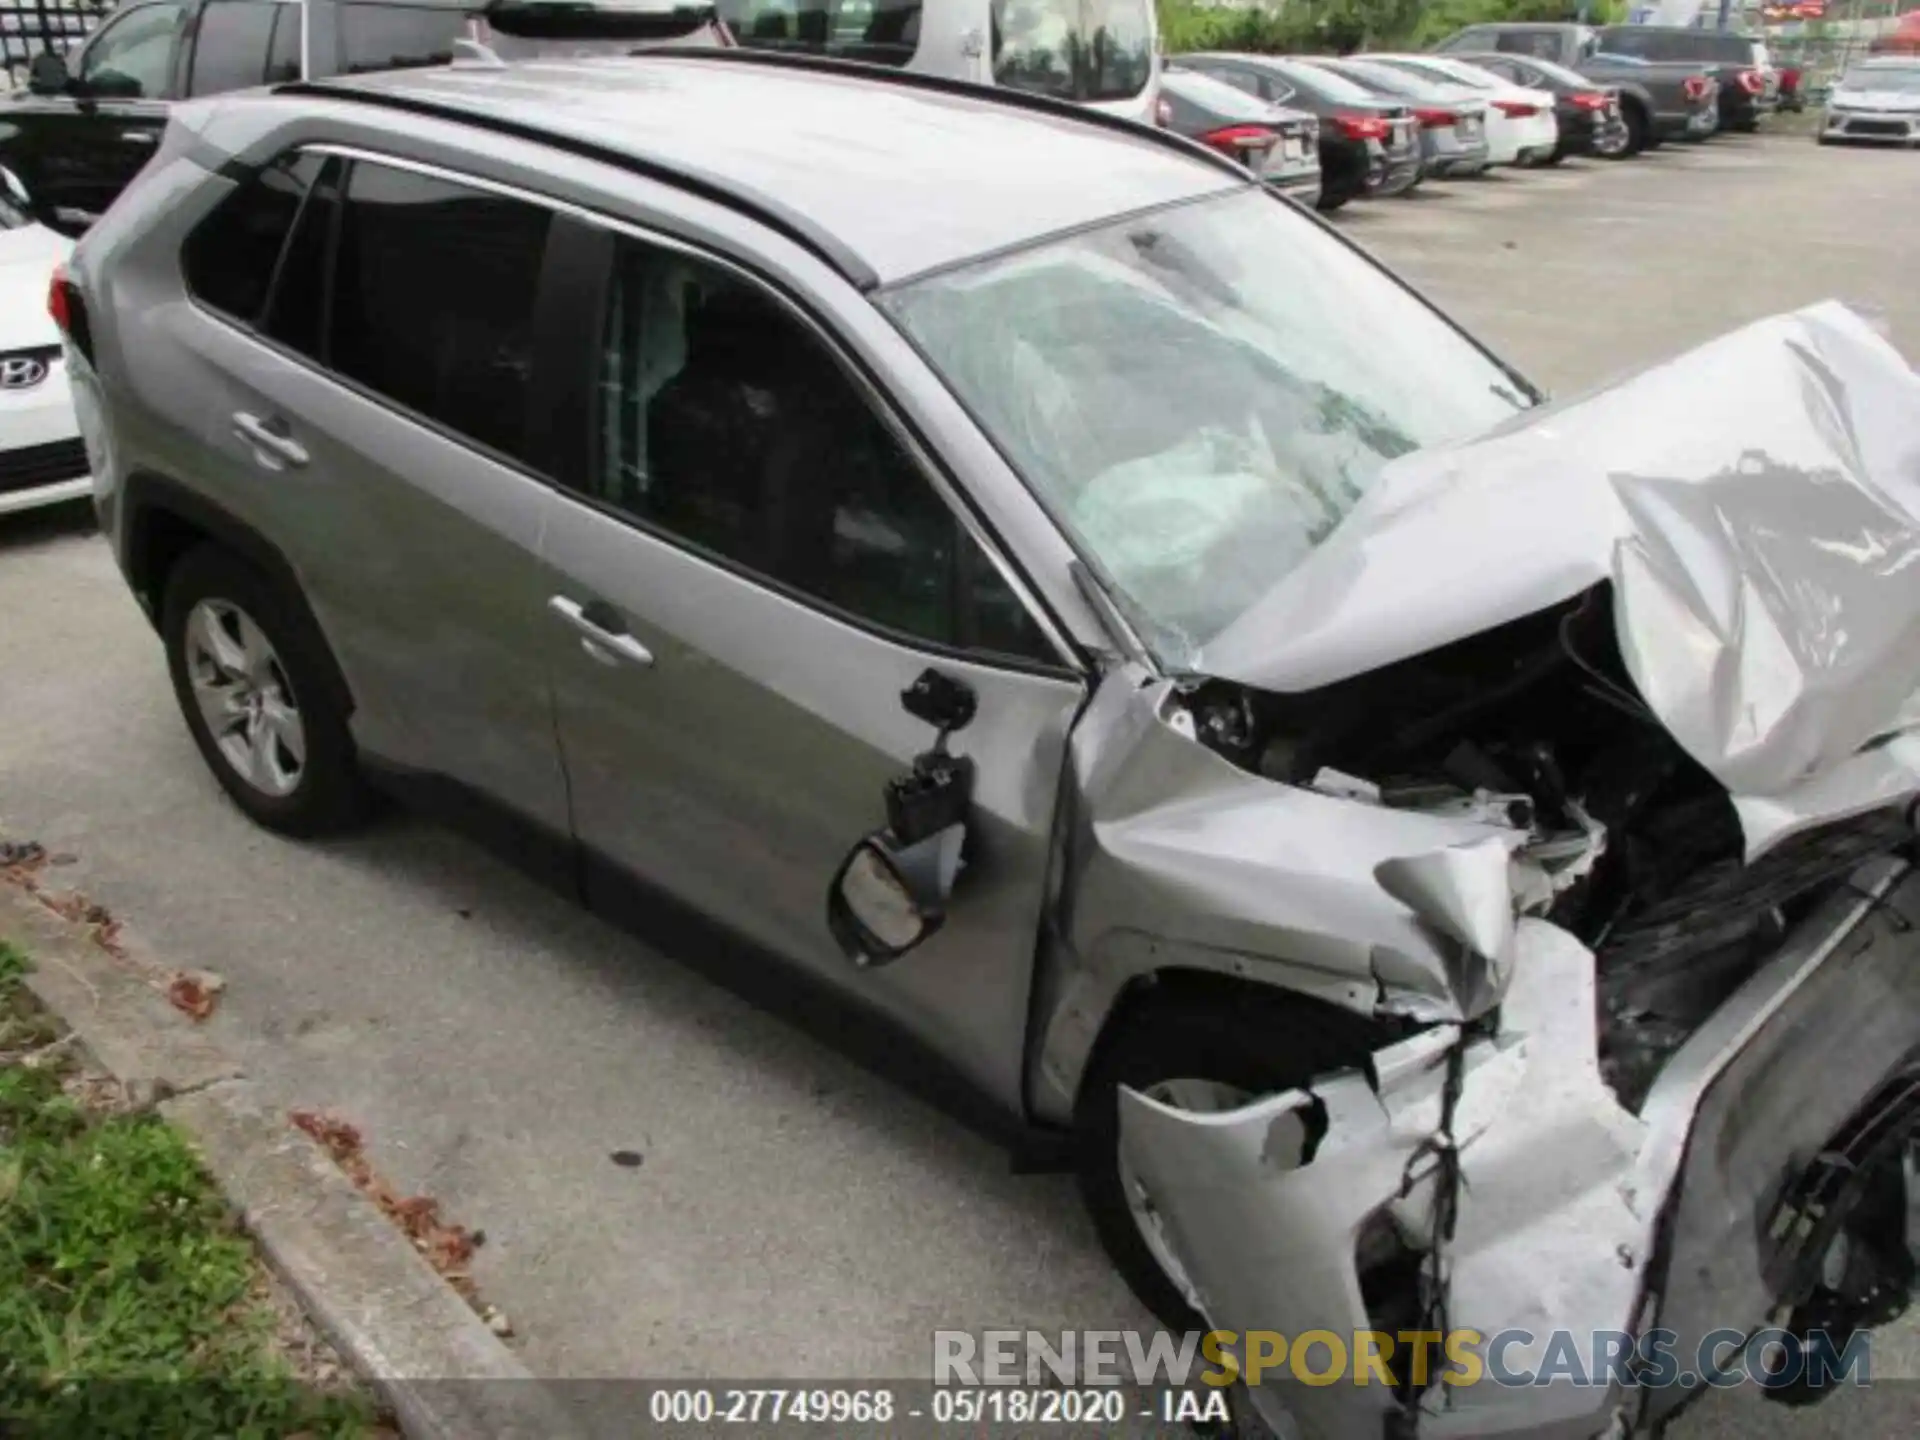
x=1755 y=504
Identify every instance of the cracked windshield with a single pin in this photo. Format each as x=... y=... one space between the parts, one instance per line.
x=1200 y=394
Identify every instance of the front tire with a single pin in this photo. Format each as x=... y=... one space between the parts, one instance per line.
x=1202 y=1046
x=255 y=697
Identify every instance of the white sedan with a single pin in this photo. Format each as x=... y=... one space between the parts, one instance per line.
x=1521 y=126
x=42 y=459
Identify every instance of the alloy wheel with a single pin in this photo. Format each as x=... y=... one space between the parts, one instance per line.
x=244 y=696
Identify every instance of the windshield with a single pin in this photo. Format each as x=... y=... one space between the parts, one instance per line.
x=1901 y=78
x=1199 y=394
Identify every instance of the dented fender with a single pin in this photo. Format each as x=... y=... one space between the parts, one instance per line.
x=1176 y=859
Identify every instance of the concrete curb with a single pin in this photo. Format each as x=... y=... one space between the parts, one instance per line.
x=402 y=1328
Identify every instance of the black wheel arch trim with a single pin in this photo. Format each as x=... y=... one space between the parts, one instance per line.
x=152 y=504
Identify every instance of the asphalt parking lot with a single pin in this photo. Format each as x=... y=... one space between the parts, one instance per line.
x=792 y=1215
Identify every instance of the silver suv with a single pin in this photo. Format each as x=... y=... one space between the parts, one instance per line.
x=1003 y=564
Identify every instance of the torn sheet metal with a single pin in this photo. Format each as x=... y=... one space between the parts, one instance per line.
x=1178 y=859
x=1552 y=1230
x=1755 y=504
x=1567 y=1195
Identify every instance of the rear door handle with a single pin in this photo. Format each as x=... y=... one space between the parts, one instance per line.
x=603 y=643
x=269 y=438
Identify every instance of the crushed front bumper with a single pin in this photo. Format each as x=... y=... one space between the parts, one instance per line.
x=1575 y=1215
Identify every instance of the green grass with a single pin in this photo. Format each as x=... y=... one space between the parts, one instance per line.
x=130 y=1303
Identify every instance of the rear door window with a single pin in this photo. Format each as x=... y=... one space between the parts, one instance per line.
x=397 y=37
x=230 y=258
x=296 y=306
x=433 y=292
x=232 y=43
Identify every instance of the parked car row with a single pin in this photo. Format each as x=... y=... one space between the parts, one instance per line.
x=1658 y=69
x=1491 y=95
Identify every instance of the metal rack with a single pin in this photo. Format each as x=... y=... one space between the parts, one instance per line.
x=29 y=27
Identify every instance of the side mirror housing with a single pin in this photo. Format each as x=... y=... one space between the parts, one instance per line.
x=47 y=74
x=888 y=897
x=891 y=891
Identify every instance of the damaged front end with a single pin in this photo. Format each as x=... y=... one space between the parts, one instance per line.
x=1623 y=873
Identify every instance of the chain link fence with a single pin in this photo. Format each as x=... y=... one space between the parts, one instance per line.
x=30 y=27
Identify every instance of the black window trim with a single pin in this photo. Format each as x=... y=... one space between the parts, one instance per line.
x=1074 y=662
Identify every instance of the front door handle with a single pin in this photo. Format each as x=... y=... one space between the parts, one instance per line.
x=603 y=643
x=270 y=439
x=139 y=137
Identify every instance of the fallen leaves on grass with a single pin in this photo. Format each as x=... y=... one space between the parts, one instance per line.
x=448 y=1247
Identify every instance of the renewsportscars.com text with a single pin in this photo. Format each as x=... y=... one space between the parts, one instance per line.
x=1656 y=1359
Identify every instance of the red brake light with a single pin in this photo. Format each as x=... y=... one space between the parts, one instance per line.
x=1696 y=86
x=1589 y=100
x=57 y=305
x=1516 y=109
x=1239 y=141
x=1363 y=127
x=1752 y=82
x=1436 y=119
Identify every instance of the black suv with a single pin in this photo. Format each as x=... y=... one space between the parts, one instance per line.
x=86 y=124
x=1748 y=86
